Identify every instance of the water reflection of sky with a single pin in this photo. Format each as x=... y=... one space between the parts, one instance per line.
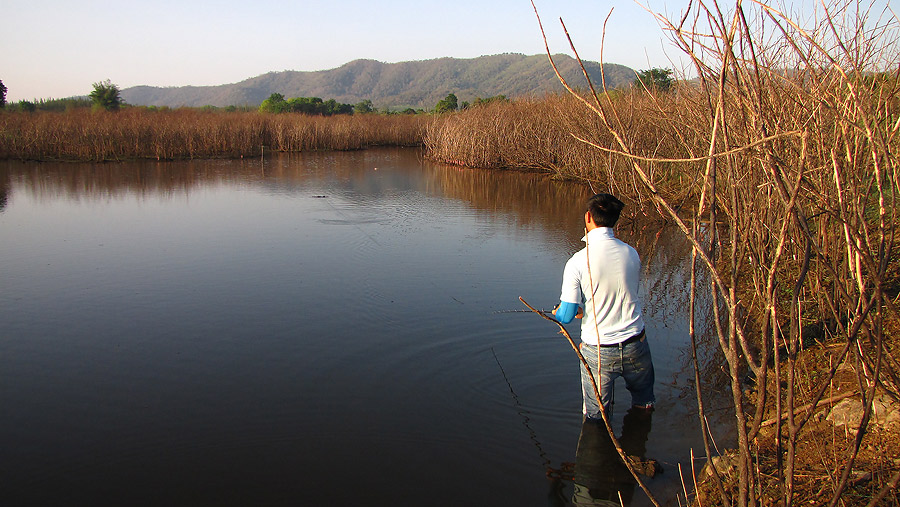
x=296 y=325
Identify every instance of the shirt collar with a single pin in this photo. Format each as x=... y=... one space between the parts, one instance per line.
x=599 y=233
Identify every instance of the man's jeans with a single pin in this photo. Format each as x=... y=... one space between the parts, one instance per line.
x=631 y=361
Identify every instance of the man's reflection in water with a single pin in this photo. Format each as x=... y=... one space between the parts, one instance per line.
x=600 y=475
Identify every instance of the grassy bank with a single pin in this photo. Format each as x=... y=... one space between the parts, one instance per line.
x=136 y=133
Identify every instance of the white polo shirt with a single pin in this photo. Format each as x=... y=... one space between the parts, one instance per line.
x=612 y=308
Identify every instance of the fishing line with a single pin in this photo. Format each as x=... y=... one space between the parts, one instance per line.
x=521 y=311
x=524 y=413
x=351 y=221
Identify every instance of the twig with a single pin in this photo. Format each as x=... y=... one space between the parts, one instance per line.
x=816 y=405
x=710 y=156
x=694 y=476
x=891 y=485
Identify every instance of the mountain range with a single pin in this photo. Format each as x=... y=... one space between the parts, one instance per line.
x=394 y=86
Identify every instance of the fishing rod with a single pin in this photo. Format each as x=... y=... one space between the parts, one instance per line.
x=531 y=310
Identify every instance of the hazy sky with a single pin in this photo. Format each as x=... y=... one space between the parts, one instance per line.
x=58 y=48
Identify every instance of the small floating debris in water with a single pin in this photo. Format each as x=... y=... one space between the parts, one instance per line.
x=319 y=196
x=376 y=168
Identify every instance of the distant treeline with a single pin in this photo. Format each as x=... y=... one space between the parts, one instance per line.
x=66 y=104
x=276 y=103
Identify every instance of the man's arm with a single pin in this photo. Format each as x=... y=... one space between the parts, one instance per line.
x=565 y=312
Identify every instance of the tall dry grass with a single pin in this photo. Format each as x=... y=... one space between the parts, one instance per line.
x=547 y=134
x=82 y=135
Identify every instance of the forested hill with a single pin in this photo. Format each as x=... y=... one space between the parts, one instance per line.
x=418 y=84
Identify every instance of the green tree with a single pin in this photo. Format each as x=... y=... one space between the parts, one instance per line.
x=330 y=107
x=106 y=96
x=62 y=104
x=654 y=79
x=274 y=104
x=447 y=104
x=483 y=102
x=306 y=105
x=2 y=95
x=363 y=107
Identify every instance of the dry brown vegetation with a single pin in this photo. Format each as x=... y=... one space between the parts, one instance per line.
x=136 y=133
x=548 y=134
x=779 y=162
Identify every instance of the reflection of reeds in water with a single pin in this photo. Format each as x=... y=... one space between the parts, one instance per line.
x=188 y=134
x=532 y=198
x=88 y=181
x=92 y=181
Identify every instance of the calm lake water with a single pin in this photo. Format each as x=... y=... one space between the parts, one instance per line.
x=314 y=329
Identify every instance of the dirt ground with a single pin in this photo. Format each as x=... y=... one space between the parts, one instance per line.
x=825 y=444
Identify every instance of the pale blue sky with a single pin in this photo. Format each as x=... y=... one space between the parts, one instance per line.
x=58 y=48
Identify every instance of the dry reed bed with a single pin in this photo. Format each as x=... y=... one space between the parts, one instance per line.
x=543 y=134
x=82 y=135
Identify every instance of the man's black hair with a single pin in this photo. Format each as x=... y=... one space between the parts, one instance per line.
x=605 y=209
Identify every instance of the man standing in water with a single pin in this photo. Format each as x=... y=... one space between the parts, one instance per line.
x=600 y=286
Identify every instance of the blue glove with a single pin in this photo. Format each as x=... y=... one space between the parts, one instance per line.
x=565 y=312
